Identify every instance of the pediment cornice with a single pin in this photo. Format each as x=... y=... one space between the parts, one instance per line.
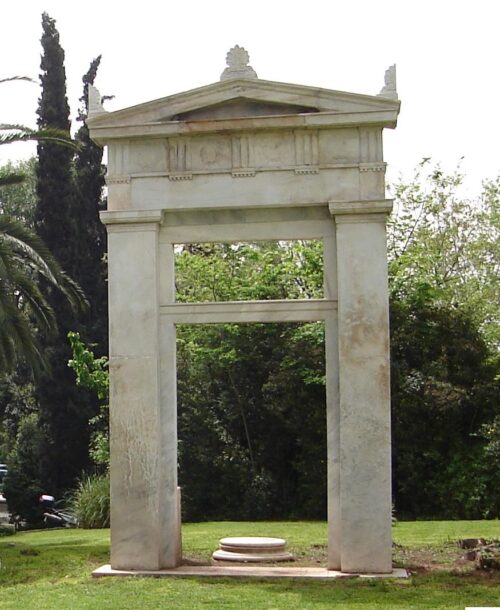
x=244 y=104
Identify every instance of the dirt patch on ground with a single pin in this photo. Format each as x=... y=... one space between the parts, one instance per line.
x=449 y=557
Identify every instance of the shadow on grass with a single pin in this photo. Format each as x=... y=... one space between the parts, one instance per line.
x=421 y=592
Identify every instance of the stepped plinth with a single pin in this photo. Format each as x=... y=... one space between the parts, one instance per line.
x=252 y=549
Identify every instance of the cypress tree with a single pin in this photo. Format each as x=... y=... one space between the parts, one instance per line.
x=64 y=408
x=89 y=177
x=55 y=190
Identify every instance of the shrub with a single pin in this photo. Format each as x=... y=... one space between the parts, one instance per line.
x=90 y=502
x=7 y=529
x=23 y=482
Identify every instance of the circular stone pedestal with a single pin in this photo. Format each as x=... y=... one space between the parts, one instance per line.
x=252 y=549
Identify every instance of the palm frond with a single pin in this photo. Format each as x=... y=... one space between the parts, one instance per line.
x=16 y=336
x=21 y=133
x=14 y=78
x=28 y=244
x=29 y=293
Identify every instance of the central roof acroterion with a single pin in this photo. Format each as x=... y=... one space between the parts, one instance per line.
x=237 y=60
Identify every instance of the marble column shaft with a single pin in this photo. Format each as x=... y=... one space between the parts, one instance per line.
x=364 y=389
x=332 y=405
x=144 y=513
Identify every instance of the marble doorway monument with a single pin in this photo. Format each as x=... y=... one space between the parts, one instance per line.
x=246 y=159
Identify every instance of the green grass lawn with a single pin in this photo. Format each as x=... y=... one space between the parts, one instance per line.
x=51 y=569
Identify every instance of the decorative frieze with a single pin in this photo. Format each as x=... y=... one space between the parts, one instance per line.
x=242 y=156
x=372 y=167
x=304 y=171
x=370 y=144
x=243 y=173
x=179 y=159
x=118 y=159
x=306 y=152
x=245 y=155
x=117 y=180
x=180 y=177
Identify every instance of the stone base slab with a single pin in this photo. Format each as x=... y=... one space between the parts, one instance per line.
x=251 y=557
x=246 y=572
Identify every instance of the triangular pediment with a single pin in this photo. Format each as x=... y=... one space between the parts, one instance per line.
x=243 y=99
x=241 y=108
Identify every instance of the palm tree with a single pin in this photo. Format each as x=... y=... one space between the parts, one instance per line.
x=10 y=133
x=24 y=260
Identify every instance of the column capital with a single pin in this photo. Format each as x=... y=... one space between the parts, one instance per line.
x=374 y=210
x=132 y=220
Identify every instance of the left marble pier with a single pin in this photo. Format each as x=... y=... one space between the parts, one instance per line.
x=145 y=523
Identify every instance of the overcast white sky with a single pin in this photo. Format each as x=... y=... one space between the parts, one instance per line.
x=447 y=56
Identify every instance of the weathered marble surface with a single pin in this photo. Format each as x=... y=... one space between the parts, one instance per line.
x=250 y=572
x=252 y=549
x=364 y=390
x=144 y=512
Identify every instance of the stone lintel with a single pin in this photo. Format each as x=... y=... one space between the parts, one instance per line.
x=360 y=211
x=303 y=310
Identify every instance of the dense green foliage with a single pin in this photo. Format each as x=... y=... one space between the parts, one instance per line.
x=92 y=373
x=91 y=270
x=69 y=194
x=54 y=184
x=24 y=481
x=17 y=400
x=444 y=268
x=24 y=261
x=251 y=397
x=444 y=390
x=24 y=312
x=249 y=271
x=19 y=200
x=251 y=421
x=90 y=501
x=444 y=248
x=17 y=391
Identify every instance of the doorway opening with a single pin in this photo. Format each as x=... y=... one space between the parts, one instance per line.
x=252 y=421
